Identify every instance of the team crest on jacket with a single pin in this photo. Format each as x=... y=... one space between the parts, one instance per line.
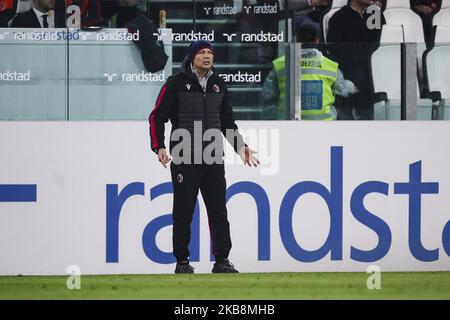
x=216 y=88
x=180 y=178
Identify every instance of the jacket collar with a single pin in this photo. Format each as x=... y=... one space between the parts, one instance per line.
x=207 y=75
x=186 y=68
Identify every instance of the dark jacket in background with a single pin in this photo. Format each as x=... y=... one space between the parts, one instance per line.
x=126 y=14
x=349 y=39
x=152 y=50
x=28 y=19
x=5 y=17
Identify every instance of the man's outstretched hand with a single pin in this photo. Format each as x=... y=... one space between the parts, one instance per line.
x=247 y=156
x=163 y=157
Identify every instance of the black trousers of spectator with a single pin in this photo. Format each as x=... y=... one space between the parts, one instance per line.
x=187 y=180
x=357 y=106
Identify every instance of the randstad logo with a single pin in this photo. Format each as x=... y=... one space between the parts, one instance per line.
x=3 y=35
x=226 y=9
x=333 y=196
x=193 y=36
x=222 y=10
x=241 y=77
x=136 y=77
x=15 y=76
x=118 y=36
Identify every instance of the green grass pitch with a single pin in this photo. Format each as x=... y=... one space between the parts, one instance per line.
x=394 y=285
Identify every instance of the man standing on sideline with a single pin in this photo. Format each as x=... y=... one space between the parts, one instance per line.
x=197 y=97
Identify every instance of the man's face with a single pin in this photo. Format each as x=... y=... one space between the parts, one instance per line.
x=45 y=5
x=203 y=59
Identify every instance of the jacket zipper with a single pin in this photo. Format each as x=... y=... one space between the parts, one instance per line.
x=205 y=121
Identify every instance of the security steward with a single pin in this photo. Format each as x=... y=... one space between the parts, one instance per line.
x=196 y=100
x=321 y=80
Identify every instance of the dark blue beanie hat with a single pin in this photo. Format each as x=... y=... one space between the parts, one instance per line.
x=198 y=45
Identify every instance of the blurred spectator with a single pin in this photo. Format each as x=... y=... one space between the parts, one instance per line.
x=92 y=11
x=41 y=15
x=320 y=80
x=426 y=9
x=7 y=11
x=351 y=44
x=100 y=12
x=308 y=11
x=128 y=10
x=251 y=21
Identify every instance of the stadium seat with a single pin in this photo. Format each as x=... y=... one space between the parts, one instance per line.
x=386 y=76
x=442 y=34
x=397 y=4
x=392 y=34
x=438 y=70
x=411 y=22
x=412 y=30
x=442 y=18
x=337 y=4
x=445 y=4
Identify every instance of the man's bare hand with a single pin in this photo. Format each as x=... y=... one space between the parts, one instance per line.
x=163 y=157
x=247 y=156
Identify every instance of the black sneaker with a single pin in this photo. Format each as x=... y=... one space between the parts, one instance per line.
x=184 y=267
x=224 y=266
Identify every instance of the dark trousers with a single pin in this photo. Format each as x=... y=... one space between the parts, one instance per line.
x=354 y=107
x=357 y=106
x=187 y=179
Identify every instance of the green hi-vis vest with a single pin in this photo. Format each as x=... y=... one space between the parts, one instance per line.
x=279 y=65
x=318 y=75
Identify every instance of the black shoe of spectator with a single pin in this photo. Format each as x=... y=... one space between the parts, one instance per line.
x=184 y=267
x=224 y=266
